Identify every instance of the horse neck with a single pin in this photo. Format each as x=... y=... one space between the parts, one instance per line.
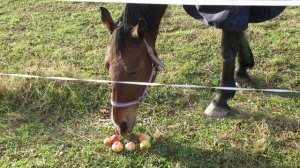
x=151 y=13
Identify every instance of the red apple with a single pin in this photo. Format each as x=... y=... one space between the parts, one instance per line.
x=145 y=144
x=144 y=137
x=117 y=146
x=107 y=141
x=114 y=138
x=130 y=146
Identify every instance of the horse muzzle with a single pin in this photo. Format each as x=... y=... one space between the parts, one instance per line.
x=124 y=119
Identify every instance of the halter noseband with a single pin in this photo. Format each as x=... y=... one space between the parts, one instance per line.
x=156 y=65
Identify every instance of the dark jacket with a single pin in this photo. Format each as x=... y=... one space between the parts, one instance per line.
x=234 y=18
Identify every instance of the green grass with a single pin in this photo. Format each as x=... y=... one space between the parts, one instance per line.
x=62 y=124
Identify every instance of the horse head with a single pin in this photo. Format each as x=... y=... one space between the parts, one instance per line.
x=130 y=57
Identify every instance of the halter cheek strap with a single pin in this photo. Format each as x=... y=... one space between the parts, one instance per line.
x=156 y=65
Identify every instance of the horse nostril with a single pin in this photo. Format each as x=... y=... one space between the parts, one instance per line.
x=123 y=127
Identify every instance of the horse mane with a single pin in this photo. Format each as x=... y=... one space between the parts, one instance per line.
x=134 y=12
x=130 y=17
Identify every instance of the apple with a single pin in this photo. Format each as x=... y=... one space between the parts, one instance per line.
x=117 y=146
x=107 y=141
x=114 y=139
x=144 y=137
x=130 y=146
x=145 y=144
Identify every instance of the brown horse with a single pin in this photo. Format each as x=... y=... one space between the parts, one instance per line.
x=132 y=57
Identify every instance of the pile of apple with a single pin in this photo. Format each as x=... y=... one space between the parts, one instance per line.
x=117 y=146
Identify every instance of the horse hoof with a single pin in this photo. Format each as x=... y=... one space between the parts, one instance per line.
x=214 y=111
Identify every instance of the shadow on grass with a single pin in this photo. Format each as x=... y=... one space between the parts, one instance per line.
x=190 y=157
x=279 y=123
x=260 y=83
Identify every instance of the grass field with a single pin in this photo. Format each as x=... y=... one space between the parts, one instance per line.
x=62 y=124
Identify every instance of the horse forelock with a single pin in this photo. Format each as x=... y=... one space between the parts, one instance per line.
x=119 y=38
x=130 y=18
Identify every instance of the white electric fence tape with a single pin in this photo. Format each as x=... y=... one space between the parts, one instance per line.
x=204 y=2
x=151 y=84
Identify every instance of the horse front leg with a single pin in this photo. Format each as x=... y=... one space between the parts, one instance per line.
x=230 y=45
x=245 y=60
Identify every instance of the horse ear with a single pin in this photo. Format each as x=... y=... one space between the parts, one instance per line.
x=139 y=30
x=107 y=20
